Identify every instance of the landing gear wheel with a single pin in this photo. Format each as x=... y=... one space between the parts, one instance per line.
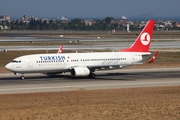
x=92 y=75
x=22 y=77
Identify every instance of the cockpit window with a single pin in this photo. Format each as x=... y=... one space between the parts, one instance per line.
x=16 y=61
x=13 y=61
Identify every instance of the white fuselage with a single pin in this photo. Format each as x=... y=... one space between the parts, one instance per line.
x=40 y=63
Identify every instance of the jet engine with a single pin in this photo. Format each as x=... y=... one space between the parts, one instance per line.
x=80 y=71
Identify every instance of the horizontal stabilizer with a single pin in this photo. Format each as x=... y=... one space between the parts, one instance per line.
x=153 y=57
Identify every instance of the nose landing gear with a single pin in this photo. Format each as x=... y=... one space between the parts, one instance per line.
x=21 y=75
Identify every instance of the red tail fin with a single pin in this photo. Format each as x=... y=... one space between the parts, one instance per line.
x=143 y=41
x=60 y=49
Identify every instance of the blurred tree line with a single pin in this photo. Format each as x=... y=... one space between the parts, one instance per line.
x=106 y=24
x=75 y=24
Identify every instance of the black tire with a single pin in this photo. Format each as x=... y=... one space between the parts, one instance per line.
x=92 y=75
x=22 y=77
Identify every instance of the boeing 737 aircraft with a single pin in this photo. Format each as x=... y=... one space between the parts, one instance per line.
x=85 y=64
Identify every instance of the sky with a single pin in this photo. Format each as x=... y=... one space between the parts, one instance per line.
x=89 y=8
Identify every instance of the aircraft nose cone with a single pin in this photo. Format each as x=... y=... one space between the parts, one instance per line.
x=7 y=66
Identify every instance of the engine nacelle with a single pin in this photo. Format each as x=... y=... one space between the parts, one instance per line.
x=80 y=71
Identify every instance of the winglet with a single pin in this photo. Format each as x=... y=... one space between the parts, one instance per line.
x=143 y=41
x=60 y=49
x=153 y=57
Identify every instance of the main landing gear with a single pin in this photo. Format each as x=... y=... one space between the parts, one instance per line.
x=92 y=75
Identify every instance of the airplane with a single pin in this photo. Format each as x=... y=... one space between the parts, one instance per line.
x=85 y=64
x=60 y=49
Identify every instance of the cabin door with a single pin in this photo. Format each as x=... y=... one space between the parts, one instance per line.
x=30 y=62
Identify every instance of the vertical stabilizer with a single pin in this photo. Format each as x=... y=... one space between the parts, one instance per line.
x=143 y=41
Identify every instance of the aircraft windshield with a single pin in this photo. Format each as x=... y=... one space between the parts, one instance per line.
x=16 y=61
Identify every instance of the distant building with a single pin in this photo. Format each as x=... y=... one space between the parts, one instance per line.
x=25 y=18
x=4 y=18
x=88 y=22
x=112 y=31
x=45 y=20
x=64 y=18
x=160 y=27
x=178 y=25
x=124 y=17
x=126 y=27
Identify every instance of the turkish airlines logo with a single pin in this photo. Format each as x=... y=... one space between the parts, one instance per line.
x=145 y=38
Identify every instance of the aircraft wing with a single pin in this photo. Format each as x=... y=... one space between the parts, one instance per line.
x=105 y=67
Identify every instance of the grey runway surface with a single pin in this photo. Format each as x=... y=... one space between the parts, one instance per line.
x=103 y=46
x=122 y=78
x=100 y=44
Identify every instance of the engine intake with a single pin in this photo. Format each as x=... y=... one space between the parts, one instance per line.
x=80 y=71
